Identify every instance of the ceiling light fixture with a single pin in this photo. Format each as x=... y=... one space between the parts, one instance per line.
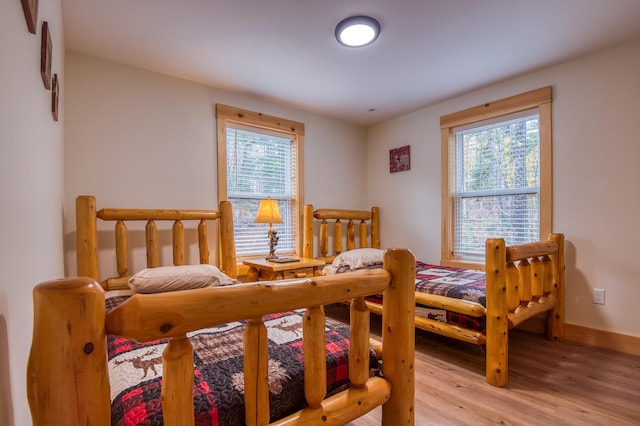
x=357 y=31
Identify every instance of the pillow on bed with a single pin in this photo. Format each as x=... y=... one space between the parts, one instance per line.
x=173 y=278
x=356 y=259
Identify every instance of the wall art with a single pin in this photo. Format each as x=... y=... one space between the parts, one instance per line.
x=45 y=56
x=30 y=8
x=400 y=159
x=55 y=93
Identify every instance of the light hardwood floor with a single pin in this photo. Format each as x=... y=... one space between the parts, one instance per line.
x=550 y=383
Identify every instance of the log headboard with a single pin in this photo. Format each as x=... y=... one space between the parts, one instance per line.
x=330 y=222
x=87 y=217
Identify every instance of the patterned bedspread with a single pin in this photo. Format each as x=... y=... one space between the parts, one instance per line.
x=456 y=283
x=467 y=284
x=136 y=371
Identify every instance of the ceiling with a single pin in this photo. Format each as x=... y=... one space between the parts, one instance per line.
x=284 y=51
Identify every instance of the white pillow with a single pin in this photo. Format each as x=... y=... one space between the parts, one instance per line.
x=358 y=259
x=173 y=278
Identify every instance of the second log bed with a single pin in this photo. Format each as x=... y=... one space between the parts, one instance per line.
x=521 y=282
x=77 y=337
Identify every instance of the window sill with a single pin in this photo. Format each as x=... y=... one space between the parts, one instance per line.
x=464 y=264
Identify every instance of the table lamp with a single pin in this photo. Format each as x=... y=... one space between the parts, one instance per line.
x=268 y=213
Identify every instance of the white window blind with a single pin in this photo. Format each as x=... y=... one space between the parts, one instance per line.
x=497 y=184
x=261 y=164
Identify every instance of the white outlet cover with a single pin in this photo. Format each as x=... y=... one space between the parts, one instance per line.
x=598 y=296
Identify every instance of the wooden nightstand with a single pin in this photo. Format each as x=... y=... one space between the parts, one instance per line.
x=262 y=269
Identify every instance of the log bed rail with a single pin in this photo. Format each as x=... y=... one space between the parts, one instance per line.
x=67 y=376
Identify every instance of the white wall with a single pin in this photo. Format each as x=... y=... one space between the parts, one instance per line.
x=596 y=150
x=30 y=190
x=135 y=138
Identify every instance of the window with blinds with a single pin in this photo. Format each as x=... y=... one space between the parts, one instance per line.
x=497 y=191
x=496 y=175
x=261 y=164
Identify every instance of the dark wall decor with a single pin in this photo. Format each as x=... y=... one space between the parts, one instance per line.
x=45 y=56
x=400 y=159
x=55 y=93
x=30 y=8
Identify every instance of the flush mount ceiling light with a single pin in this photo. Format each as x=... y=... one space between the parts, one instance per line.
x=357 y=31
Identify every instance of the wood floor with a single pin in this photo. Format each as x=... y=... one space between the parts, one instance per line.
x=550 y=383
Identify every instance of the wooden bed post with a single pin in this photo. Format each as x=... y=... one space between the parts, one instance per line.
x=228 y=263
x=497 y=362
x=555 y=318
x=398 y=334
x=256 y=369
x=375 y=227
x=87 y=237
x=177 y=382
x=67 y=376
x=307 y=232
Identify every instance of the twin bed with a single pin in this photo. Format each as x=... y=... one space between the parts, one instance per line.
x=192 y=345
x=514 y=285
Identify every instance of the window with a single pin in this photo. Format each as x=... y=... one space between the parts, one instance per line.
x=259 y=156
x=496 y=175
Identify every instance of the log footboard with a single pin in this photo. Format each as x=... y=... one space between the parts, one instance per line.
x=68 y=378
x=523 y=281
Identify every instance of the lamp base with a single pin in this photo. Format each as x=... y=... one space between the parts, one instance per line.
x=271 y=256
x=273 y=242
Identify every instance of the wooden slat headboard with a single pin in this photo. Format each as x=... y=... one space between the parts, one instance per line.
x=368 y=234
x=87 y=237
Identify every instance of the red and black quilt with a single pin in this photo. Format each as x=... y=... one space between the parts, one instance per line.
x=456 y=283
x=136 y=371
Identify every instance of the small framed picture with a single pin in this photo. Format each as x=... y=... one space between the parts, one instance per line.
x=55 y=93
x=45 y=56
x=30 y=8
x=400 y=159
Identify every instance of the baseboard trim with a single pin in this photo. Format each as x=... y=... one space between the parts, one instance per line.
x=589 y=336
x=602 y=339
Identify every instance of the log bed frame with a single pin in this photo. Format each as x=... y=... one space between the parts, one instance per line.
x=67 y=376
x=522 y=281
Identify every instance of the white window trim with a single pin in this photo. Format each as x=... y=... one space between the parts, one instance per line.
x=540 y=100
x=236 y=116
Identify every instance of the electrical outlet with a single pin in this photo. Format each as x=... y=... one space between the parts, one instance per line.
x=598 y=296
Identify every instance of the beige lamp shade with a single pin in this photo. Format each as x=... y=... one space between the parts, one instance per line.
x=268 y=212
